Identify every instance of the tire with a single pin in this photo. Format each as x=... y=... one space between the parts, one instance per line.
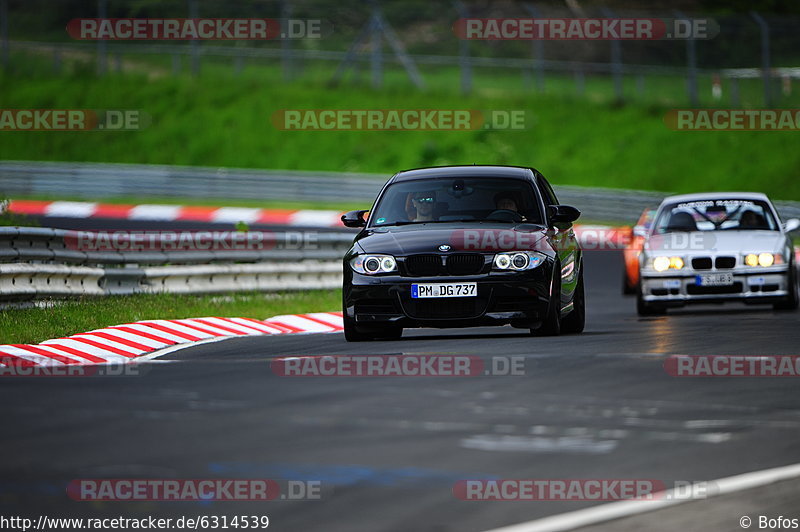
x=645 y=309
x=551 y=326
x=628 y=289
x=575 y=321
x=792 y=300
x=353 y=334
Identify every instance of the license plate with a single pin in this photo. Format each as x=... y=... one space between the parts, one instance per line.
x=714 y=279
x=756 y=281
x=444 y=290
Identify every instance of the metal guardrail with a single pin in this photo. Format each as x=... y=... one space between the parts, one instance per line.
x=40 y=263
x=26 y=178
x=521 y=63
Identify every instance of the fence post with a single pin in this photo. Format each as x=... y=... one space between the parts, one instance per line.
x=102 y=59
x=537 y=51
x=765 y=57
x=734 y=92
x=4 y=30
x=616 y=60
x=580 y=80
x=286 y=42
x=195 y=44
x=463 y=52
x=56 y=59
x=376 y=48
x=691 y=66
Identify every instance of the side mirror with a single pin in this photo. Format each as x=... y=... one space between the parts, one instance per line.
x=564 y=213
x=791 y=224
x=639 y=230
x=354 y=219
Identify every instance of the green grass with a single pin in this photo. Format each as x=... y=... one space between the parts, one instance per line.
x=33 y=325
x=220 y=119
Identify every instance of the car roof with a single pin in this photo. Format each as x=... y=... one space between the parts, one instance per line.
x=716 y=195
x=435 y=172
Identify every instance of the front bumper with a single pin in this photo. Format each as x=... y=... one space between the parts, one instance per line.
x=765 y=285
x=517 y=298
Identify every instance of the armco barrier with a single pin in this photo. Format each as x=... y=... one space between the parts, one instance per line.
x=30 y=178
x=37 y=263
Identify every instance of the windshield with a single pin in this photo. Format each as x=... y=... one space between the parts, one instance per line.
x=457 y=200
x=716 y=215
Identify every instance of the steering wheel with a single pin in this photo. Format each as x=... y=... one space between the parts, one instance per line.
x=505 y=215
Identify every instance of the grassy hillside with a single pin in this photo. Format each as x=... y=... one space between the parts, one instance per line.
x=222 y=120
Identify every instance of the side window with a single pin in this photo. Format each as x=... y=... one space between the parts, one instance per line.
x=547 y=191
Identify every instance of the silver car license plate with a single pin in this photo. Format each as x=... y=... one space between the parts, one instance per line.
x=444 y=290
x=714 y=279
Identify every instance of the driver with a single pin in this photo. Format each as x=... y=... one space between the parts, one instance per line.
x=750 y=220
x=423 y=203
x=505 y=201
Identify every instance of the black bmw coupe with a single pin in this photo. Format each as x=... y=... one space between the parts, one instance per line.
x=463 y=246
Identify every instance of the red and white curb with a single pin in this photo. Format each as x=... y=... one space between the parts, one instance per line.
x=127 y=343
x=599 y=234
x=171 y=213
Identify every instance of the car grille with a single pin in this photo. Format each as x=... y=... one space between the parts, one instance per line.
x=701 y=263
x=423 y=265
x=465 y=264
x=428 y=265
x=459 y=307
x=725 y=263
x=694 y=290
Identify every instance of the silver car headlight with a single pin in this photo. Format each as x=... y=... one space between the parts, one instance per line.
x=663 y=263
x=517 y=260
x=764 y=260
x=373 y=264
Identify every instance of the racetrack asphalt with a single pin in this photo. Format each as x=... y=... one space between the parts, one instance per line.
x=387 y=451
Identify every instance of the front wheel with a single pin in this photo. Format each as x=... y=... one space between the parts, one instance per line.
x=354 y=334
x=551 y=326
x=792 y=300
x=575 y=321
x=351 y=334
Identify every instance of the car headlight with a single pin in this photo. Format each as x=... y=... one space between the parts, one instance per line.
x=373 y=264
x=763 y=259
x=517 y=260
x=662 y=264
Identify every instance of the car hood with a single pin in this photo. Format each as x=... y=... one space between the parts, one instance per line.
x=426 y=238
x=716 y=242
